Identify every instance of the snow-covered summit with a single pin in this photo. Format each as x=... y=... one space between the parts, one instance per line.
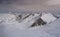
x=26 y=20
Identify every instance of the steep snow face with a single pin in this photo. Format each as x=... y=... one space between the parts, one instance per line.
x=48 y=17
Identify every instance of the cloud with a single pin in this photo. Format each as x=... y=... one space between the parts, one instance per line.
x=23 y=1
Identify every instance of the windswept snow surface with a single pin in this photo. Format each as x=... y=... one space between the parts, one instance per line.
x=48 y=17
x=11 y=28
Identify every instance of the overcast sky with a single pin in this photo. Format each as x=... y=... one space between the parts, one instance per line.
x=31 y=2
x=22 y=1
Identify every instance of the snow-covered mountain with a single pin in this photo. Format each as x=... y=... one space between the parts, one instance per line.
x=13 y=28
x=14 y=25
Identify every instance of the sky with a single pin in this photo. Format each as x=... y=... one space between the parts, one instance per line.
x=30 y=2
x=22 y=1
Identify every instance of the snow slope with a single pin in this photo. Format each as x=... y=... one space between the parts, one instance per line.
x=11 y=19
x=12 y=28
x=9 y=27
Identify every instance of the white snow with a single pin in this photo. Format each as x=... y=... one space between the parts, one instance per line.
x=11 y=19
x=48 y=18
x=9 y=27
x=15 y=29
x=7 y=18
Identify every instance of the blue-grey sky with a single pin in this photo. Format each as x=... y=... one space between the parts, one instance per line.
x=22 y=1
